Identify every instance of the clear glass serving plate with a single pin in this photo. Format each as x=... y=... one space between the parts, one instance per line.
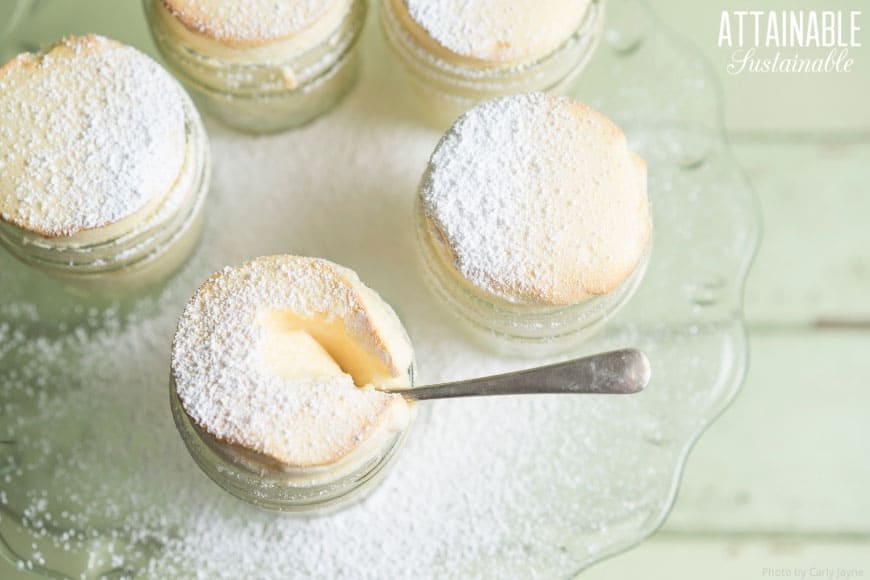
x=95 y=481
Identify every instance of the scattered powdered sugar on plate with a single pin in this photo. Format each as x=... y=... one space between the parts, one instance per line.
x=495 y=30
x=91 y=132
x=248 y=20
x=94 y=477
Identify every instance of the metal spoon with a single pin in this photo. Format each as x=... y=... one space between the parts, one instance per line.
x=620 y=372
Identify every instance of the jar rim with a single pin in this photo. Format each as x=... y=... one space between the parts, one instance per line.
x=519 y=322
x=279 y=490
x=299 y=71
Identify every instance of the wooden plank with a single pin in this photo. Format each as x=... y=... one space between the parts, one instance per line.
x=791 y=454
x=669 y=556
x=814 y=261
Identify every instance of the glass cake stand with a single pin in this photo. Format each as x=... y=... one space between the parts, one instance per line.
x=95 y=481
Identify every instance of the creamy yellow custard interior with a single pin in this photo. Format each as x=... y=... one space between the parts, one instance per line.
x=306 y=347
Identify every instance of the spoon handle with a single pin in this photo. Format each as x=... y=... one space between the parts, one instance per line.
x=619 y=372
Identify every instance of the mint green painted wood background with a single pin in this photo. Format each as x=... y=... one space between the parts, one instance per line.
x=782 y=480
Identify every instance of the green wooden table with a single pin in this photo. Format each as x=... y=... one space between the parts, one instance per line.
x=781 y=481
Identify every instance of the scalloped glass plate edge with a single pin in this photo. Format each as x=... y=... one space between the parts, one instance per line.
x=627 y=43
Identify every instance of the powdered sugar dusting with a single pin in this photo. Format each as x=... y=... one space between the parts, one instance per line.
x=223 y=383
x=496 y=30
x=250 y=20
x=538 y=199
x=91 y=132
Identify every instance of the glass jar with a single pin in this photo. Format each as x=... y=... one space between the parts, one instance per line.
x=309 y=490
x=445 y=90
x=125 y=257
x=258 y=93
x=513 y=328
